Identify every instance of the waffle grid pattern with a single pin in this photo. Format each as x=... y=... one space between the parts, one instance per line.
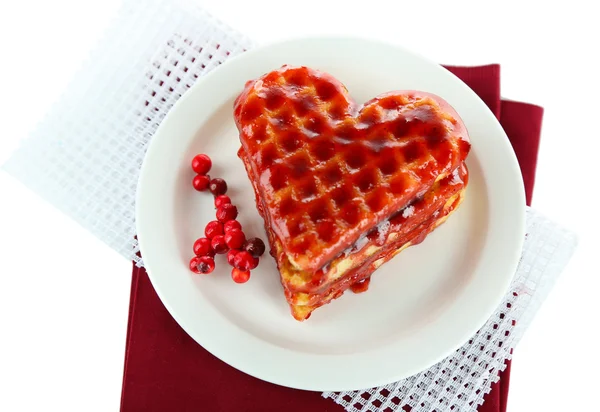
x=460 y=381
x=301 y=130
x=84 y=158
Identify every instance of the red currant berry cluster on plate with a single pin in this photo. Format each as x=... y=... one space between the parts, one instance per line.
x=223 y=235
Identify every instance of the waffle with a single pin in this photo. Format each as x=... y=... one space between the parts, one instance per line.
x=402 y=230
x=333 y=179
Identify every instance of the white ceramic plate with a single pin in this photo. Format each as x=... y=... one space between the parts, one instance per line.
x=421 y=306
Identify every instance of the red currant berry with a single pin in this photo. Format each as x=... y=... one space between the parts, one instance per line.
x=231 y=255
x=202 y=247
x=218 y=244
x=235 y=239
x=194 y=262
x=226 y=213
x=201 y=182
x=243 y=260
x=231 y=225
x=255 y=246
x=240 y=276
x=206 y=264
x=213 y=229
x=253 y=263
x=222 y=200
x=217 y=187
x=201 y=164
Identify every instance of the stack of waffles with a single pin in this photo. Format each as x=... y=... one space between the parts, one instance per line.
x=343 y=188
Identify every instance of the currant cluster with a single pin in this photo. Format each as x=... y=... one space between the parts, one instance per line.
x=223 y=235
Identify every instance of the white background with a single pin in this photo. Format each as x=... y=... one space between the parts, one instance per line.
x=64 y=295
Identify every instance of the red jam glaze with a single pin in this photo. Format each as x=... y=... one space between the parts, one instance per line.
x=358 y=279
x=326 y=170
x=412 y=227
x=359 y=287
x=404 y=223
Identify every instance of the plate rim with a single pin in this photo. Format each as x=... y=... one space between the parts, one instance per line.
x=241 y=365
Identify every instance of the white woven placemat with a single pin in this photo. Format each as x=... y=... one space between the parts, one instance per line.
x=460 y=381
x=85 y=156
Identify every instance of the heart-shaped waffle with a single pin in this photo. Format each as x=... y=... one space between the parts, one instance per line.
x=326 y=171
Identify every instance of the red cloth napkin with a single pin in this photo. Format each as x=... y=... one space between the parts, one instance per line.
x=165 y=370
